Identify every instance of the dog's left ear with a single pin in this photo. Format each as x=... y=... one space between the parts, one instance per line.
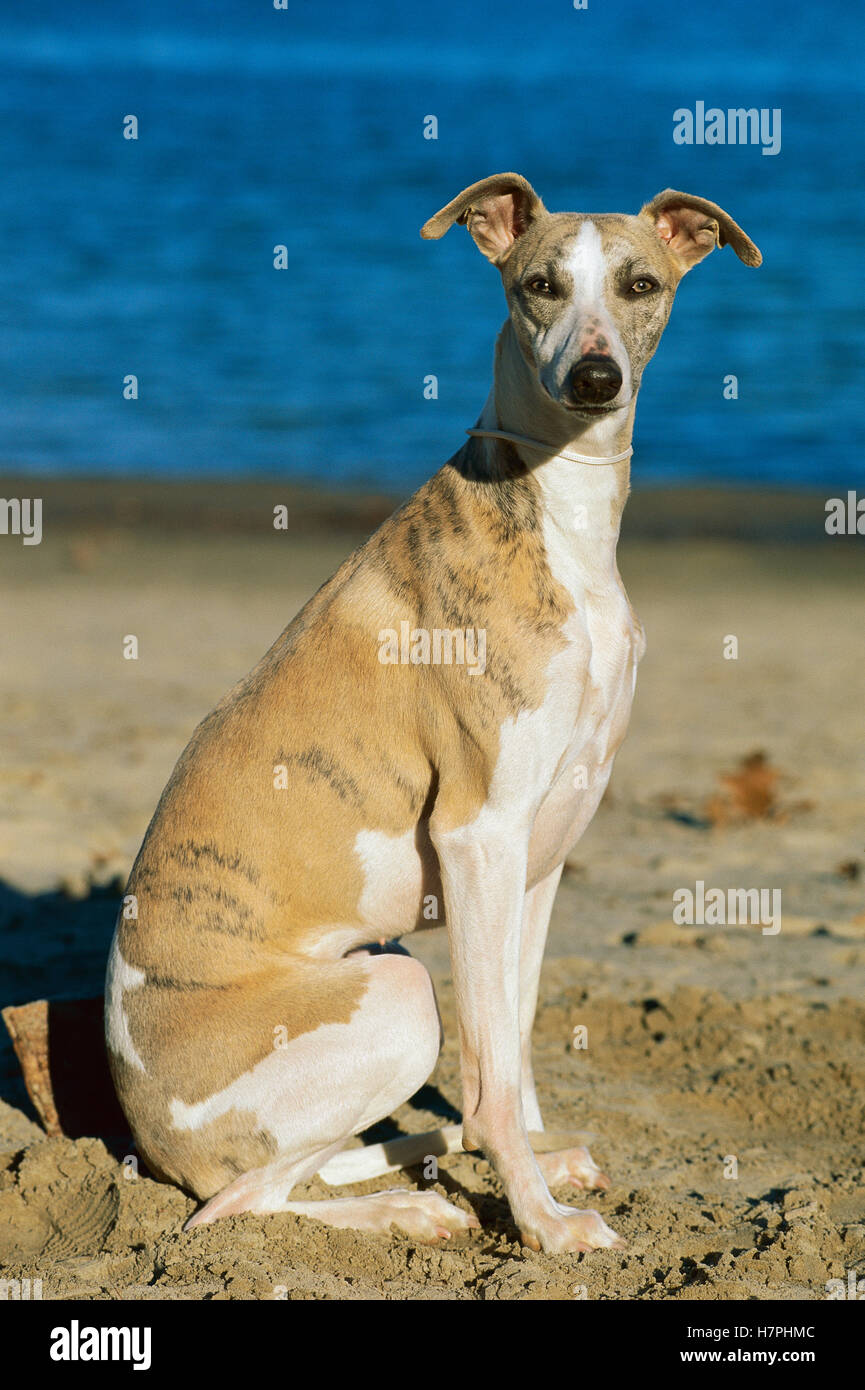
x=496 y=211
x=691 y=227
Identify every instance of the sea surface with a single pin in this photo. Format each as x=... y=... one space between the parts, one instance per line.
x=304 y=127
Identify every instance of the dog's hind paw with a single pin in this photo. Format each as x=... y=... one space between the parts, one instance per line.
x=572 y=1167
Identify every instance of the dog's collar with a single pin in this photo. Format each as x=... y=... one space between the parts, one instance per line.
x=550 y=448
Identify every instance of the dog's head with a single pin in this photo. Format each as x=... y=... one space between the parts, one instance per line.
x=589 y=296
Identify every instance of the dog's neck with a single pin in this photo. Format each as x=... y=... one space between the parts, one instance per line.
x=582 y=502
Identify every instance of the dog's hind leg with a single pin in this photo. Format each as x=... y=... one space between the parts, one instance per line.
x=425 y=1216
x=561 y=1167
x=329 y=1084
x=405 y=1151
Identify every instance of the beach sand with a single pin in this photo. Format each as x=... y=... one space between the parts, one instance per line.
x=723 y=1078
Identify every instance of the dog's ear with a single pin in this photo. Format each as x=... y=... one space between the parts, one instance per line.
x=692 y=227
x=496 y=211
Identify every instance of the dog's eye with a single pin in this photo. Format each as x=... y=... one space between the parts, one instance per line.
x=643 y=285
x=538 y=285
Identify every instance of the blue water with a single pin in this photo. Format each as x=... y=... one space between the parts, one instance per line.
x=304 y=127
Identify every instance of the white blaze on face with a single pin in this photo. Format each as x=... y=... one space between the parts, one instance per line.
x=585 y=263
x=587 y=266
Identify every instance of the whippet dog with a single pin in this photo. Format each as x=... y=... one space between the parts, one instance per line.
x=353 y=788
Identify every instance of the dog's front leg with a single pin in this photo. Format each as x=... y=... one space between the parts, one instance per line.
x=572 y=1166
x=536 y=921
x=484 y=880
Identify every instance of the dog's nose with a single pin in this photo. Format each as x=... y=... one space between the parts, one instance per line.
x=595 y=380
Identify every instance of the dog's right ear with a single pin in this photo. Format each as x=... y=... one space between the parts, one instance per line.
x=496 y=211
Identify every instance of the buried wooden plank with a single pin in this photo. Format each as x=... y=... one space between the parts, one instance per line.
x=60 y=1047
x=27 y=1026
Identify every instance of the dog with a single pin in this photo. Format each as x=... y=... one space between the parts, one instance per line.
x=353 y=788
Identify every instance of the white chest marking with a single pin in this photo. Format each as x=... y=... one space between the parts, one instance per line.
x=590 y=683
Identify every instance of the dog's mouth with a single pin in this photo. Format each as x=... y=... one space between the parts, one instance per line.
x=587 y=412
x=590 y=410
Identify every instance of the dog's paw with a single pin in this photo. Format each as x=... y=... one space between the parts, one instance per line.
x=573 y=1168
x=424 y=1216
x=570 y=1229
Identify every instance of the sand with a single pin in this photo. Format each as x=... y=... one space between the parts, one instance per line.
x=723 y=1079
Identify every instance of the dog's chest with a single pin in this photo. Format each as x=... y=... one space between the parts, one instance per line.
x=586 y=710
x=587 y=725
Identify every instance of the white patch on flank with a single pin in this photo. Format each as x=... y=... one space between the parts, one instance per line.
x=337 y=1078
x=391 y=896
x=273 y=1088
x=120 y=977
x=392 y=879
